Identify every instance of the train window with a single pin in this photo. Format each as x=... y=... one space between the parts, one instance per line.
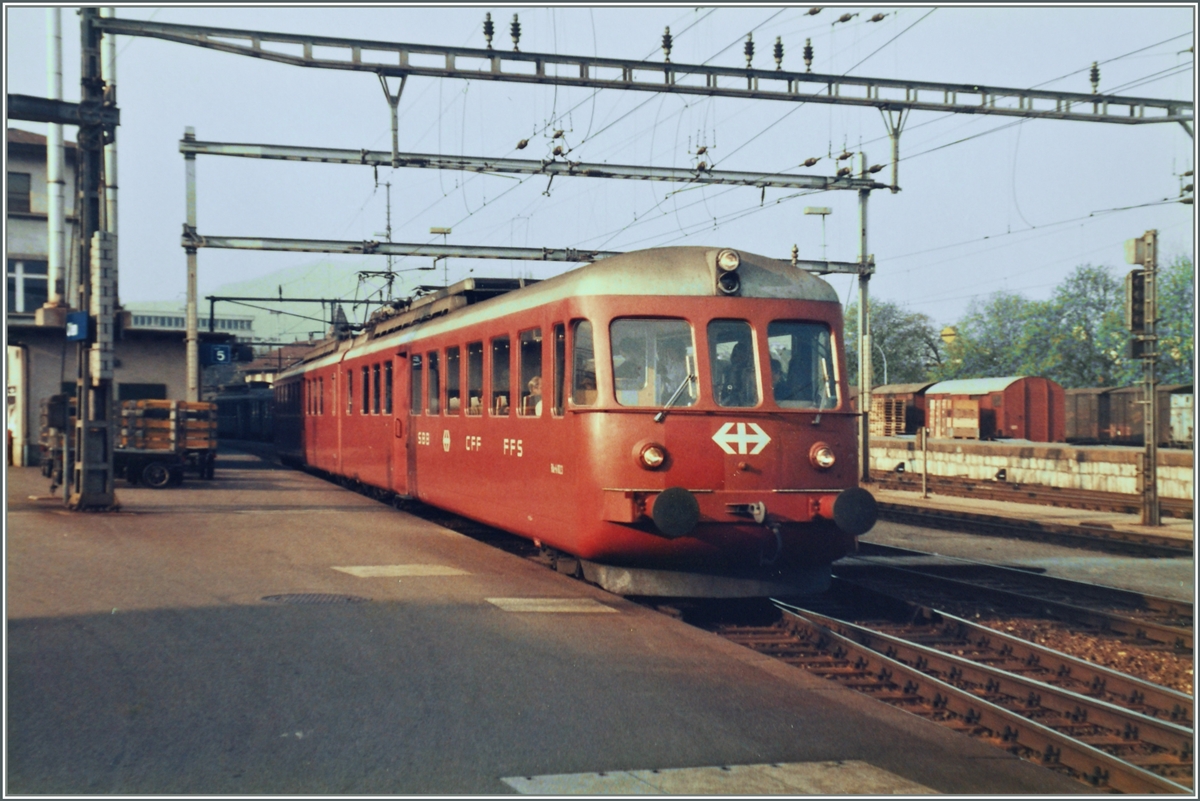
x=375 y=386
x=435 y=388
x=415 y=384
x=652 y=360
x=349 y=392
x=560 y=365
x=802 y=368
x=474 y=378
x=453 y=391
x=500 y=376
x=321 y=395
x=530 y=384
x=583 y=364
x=387 y=387
x=366 y=389
x=734 y=368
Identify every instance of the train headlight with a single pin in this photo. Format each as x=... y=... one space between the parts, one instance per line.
x=728 y=261
x=653 y=456
x=728 y=283
x=821 y=456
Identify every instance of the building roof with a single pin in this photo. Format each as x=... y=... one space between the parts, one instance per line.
x=18 y=137
x=972 y=386
x=279 y=358
x=901 y=389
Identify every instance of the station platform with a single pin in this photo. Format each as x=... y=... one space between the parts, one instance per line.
x=268 y=632
x=1050 y=518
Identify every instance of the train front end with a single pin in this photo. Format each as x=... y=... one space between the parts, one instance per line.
x=722 y=436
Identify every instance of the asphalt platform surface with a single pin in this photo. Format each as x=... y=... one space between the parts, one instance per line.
x=143 y=659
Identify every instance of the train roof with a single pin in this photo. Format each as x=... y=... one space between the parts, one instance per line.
x=667 y=272
x=972 y=386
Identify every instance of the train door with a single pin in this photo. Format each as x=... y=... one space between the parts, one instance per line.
x=401 y=466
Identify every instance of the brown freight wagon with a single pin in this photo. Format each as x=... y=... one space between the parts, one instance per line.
x=1087 y=414
x=1126 y=425
x=1016 y=407
x=898 y=409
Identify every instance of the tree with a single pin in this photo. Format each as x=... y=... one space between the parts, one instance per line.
x=1087 y=310
x=906 y=342
x=1176 y=321
x=1001 y=335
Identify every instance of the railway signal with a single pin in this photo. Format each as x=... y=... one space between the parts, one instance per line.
x=1141 y=315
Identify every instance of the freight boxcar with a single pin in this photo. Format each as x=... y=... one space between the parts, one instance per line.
x=898 y=409
x=1017 y=407
x=1126 y=420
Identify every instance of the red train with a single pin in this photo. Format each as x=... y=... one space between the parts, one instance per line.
x=672 y=421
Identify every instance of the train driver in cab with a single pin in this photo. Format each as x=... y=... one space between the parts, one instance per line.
x=737 y=384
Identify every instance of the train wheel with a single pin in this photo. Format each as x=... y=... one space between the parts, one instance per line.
x=156 y=475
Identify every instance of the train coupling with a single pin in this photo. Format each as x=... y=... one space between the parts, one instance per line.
x=756 y=511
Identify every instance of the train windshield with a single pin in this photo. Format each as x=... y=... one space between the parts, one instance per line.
x=734 y=371
x=652 y=359
x=802 y=375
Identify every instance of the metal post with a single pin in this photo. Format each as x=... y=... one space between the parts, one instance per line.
x=193 y=339
x=923 y=433
x=108 y=70
x=1150 y=510
x=394 y=103
x=864 y=332
x=92 y=473
x=54 y=165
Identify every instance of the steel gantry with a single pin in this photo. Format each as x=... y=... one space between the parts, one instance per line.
x=436 y=61
x=893 y=97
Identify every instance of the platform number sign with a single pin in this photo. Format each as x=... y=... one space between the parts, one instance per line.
x=77 y=326
x=220 y=354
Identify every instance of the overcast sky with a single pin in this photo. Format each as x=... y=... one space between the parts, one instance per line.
x=1013 y=210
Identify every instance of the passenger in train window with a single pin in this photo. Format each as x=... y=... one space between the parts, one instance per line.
x=533 y=401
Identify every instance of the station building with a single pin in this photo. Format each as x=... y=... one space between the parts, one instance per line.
x=150 y=351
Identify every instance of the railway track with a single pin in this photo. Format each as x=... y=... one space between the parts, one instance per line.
x=1092 y=536
x=1030 y=493
x=1145 y=620
x=984 y=684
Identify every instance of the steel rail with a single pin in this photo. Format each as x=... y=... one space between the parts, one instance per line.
x=1174 y=636
x=1016 y=732
x=1032 y=494
x=1139 y=695
x=437 y=61
x=1074 y=707
x=1171 y=608
x=484 y=164
x=1086 y=536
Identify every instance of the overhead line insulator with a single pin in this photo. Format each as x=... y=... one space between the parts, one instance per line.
x=666 y=44
x=779 y=52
